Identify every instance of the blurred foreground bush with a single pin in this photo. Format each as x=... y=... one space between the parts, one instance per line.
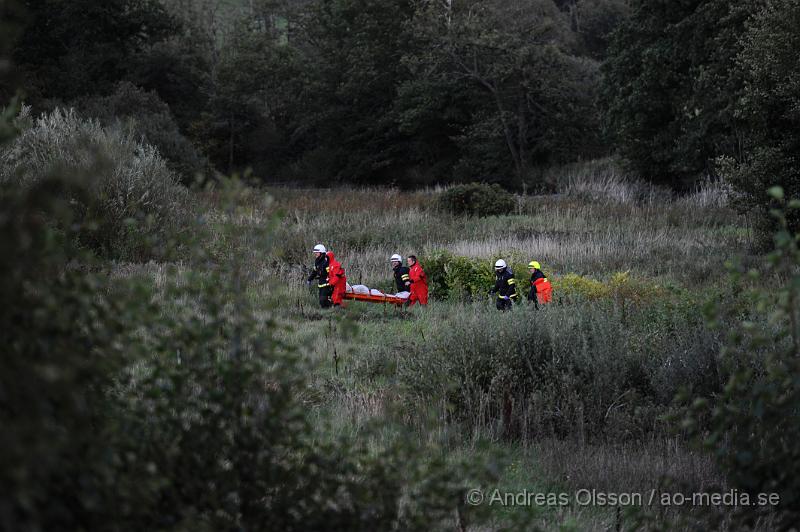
x=127 y=407
x=753 y=427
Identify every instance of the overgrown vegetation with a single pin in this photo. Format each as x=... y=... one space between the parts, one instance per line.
x=476 y=199
x=134 y=202
x=166 y=368
x=132 y=406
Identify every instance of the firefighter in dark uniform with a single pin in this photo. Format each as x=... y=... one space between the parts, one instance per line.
x=320 y=273
x=505 y=286
x=402 y=277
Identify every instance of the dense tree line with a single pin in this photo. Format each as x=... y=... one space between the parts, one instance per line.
x=364 y=91
x=415 y=92
x=708 y=87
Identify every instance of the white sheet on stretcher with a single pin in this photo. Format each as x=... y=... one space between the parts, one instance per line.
x=362 y=289
x=357 y=289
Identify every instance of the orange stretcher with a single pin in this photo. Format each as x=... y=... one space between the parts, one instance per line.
x=392 y=300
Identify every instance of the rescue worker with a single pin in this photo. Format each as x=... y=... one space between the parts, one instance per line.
x=320 y=273
x=419 y=283
x=336 y=280
x=541 y=289
x=401 y=275
x=505 y=286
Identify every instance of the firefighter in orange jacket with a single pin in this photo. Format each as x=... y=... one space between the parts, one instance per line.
x=541 y=290
x=336 y=280
x=419 y=282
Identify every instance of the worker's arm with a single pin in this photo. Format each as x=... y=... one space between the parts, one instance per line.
x=512 y=287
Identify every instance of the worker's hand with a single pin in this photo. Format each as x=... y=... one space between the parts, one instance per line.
x=308 y=282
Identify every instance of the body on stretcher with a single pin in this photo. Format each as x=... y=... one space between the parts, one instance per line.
x=360 y=292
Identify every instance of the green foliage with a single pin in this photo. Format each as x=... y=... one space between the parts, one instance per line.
x=621 y=286
x=520 y=95
x=752 y=428
x=374 y=93
x=137 y=204
x=586 y=371
x=771 y=106
x=247 y=124
x=670 y=86
x=476 y=199
x=149 y=120
x=130 y=407
x=70 y=49
x=62 y=329
x=8 y=114
x=454 y=277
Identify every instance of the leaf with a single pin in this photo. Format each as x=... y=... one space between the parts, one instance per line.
x=776 y=192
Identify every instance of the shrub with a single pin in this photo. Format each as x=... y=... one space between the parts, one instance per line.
x=476 y=199
x=126 y=408
x=134 y=200
x=752 y=428
x=150 y=121
x=463 y=278
x=580 y=371
x=621 y=287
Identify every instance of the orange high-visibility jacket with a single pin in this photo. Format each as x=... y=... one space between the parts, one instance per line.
x=544 y=290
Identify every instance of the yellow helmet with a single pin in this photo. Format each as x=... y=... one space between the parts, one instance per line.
x=534 y=264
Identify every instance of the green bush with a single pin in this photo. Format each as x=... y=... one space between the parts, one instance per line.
x=752 y=428
x=585 y=370
x=126 y=407
x=476 y=199
x=150 y=121
x=136 y=203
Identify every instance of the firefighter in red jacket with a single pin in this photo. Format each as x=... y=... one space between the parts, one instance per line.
x=336 y=280
x=541 y=289
x=419 y=282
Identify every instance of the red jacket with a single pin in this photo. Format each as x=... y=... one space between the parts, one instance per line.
x=419 y=285
x=336 y=278
x=418 y=277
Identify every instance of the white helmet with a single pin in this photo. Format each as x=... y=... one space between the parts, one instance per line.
x=396 y=258
x=319 y=248
x=500 y=264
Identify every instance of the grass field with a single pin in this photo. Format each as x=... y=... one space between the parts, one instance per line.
x=574 y=396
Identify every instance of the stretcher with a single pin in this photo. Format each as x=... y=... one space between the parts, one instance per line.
x=371 y=297
x=375 y=299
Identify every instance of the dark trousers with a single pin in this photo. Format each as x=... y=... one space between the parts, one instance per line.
x=325 y=294
x=504 y=304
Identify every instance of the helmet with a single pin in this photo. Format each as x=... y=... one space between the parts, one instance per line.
x=396 y=258
x=534 y=264
x=500 y=264
x=319 y=248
